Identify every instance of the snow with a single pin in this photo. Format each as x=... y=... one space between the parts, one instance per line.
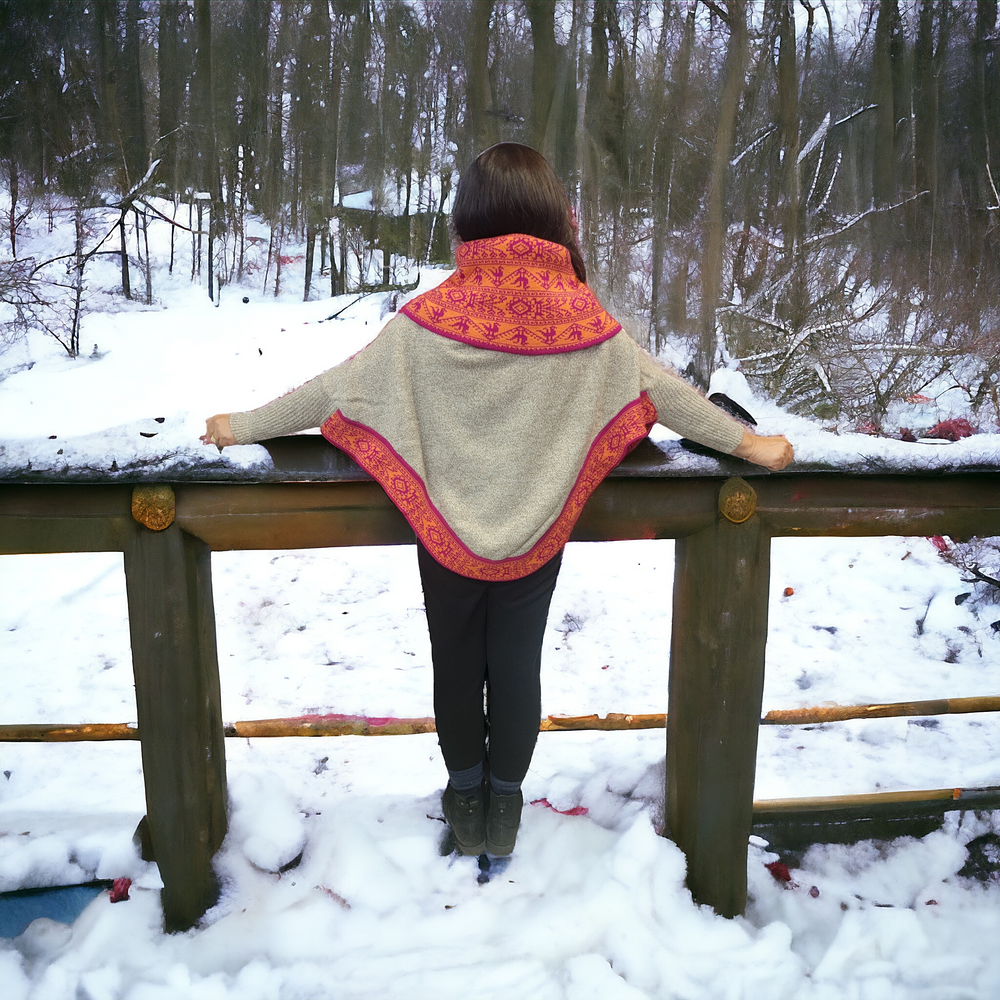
x=591 y=905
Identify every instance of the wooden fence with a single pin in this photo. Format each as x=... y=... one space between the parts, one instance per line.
x=314 y=496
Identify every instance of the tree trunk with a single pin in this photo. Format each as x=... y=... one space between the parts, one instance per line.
x=926 y=98
x=595 y=123
x=148 y=271
x=883 y=163
x=714 y=240
x=12 y=184
x=169 y=93
x=106 y=25
x=126 y=282
x=210 y=260
x=541 y=14
x=482 y=126
x=663 y=163
x=793 y=216
x=133 y=138
x=81 y=263
x=310 y=254
x=209 y=176
x=984 y=130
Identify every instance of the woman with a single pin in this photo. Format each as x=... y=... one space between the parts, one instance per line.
x=489 y=409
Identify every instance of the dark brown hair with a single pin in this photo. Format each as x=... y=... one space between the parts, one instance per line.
x=510 y=188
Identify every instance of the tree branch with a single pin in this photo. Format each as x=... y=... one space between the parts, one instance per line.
x=716 y=10
x=861 y=217
x=981 y=576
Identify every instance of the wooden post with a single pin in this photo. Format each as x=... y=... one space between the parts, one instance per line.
x=716 y=685
x=172 y=625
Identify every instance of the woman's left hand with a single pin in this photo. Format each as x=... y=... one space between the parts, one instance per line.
x=773 y=452
x=218 y=431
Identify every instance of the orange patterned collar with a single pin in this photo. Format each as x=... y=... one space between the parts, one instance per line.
x=516 y=294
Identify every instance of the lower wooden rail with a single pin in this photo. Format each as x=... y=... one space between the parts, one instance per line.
x=840 y=819
x=893 y=710
x=360 y=725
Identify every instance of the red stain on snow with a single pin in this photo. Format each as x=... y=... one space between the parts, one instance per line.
x=780 y=871
x=119 y=889
x=575 y=811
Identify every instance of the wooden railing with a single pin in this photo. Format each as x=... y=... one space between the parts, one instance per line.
x=311 y=495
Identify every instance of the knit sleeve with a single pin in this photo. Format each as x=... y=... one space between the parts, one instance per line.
x=682 y=408
x=307 y=406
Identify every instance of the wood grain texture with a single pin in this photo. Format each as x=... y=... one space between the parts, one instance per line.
x=87 y=732
x=172 y=628
x=291 y=515
x=891 y=710
x=791 y=824
x=716 y=684
x=64 y=518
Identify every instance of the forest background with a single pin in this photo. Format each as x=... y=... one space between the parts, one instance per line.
x=806 y=190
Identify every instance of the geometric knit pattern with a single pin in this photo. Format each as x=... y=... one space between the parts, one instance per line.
x=516 y=294
x=407 y=491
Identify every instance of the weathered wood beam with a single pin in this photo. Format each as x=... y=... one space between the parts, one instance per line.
x=789 y=824
x=172 y=627
x=36 y=519
x=960 y=505
x=290 y=515
x=713 y=715
x=52 y=518
x=647 y=508
x=321 y=514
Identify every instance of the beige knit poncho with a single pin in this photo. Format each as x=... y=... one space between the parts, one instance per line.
x=491 y=409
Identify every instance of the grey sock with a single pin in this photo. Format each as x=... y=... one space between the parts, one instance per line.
x=502 y=787
x=468 y=781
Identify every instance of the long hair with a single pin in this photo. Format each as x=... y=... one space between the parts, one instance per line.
x=511 y=188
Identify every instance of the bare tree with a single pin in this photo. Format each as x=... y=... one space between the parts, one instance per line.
x=711 y=262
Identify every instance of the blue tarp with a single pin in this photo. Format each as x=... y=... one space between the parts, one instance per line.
x=63 y=903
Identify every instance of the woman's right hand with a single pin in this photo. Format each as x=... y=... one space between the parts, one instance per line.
x=773 y=452
x=218 y=431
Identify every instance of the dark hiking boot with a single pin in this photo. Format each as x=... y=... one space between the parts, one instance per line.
x=502 y=820
x=467 y=819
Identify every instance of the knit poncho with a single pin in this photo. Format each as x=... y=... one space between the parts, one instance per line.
x=492 y=407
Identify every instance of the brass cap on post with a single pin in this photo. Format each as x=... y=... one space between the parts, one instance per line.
x=737 y=500
x=154 y=506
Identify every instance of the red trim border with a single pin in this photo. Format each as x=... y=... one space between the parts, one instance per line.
x=407 y=490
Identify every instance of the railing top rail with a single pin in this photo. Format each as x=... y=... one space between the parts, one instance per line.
x=309 y=458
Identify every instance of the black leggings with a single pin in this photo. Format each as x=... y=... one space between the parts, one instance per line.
x=487 y=633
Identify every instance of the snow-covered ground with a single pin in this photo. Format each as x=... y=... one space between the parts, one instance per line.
x=592 y=904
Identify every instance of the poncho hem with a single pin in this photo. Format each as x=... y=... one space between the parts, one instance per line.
x=407 y=491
